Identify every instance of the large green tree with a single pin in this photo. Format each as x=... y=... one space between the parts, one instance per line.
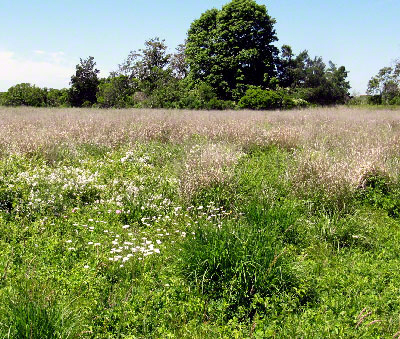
x=84 y=83
x=232 y=48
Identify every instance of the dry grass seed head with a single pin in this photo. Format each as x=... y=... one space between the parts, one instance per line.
x=206 y=165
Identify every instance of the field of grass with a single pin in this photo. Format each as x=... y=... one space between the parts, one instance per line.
x=184 y=224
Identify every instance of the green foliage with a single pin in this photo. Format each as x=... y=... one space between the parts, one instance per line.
x=358 y=100
x=232 y=47
x=149 y=67
x=257 y=98
x=203 y=96
x=25 y=95
x=84 y=83
x=2 y=98
x=384 y=88
x=311 y=80
x=374 y=100
x=379 y=191
x=235 y=261
x=116 y=92
x=33 y=313
x=57 y=97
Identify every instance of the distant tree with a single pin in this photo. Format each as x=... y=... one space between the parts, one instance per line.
x=340 y=86
x=149 y=66
x=25 y=94
x=116 y=91
x=286 y=66
x=178 y=62
x=57 y=97
x=232 y=48
x=84 y=83
x=311 y=79
x=385 y=86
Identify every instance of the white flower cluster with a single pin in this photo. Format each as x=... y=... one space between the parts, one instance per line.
x=133 y=242
x=131 y=156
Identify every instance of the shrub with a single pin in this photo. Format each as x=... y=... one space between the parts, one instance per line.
x=57 y=97
x=25 y=94
x=395 y=101
x=203 y=96
x=166 y=96
x=374 y=100
x=257 y=98
x=2 y=98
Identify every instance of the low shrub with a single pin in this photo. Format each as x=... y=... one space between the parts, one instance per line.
x=374 y=100
x=25 y=94
x=258 y=98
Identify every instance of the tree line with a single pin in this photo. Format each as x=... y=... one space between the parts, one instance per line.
x=228 y=60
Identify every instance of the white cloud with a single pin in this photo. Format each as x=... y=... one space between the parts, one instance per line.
x=43 y=69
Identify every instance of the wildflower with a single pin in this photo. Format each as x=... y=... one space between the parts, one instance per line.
x=125 y=226
x=86 y=266
x=118 y=211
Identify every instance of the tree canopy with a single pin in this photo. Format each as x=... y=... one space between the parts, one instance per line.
x=385 y=86
x=232 y=48
x=84 y=83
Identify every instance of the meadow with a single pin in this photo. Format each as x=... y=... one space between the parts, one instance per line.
x=199 y=224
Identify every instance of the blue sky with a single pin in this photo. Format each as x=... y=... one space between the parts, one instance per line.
x=42 y=41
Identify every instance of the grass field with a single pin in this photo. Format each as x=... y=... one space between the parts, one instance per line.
x=199 y=224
